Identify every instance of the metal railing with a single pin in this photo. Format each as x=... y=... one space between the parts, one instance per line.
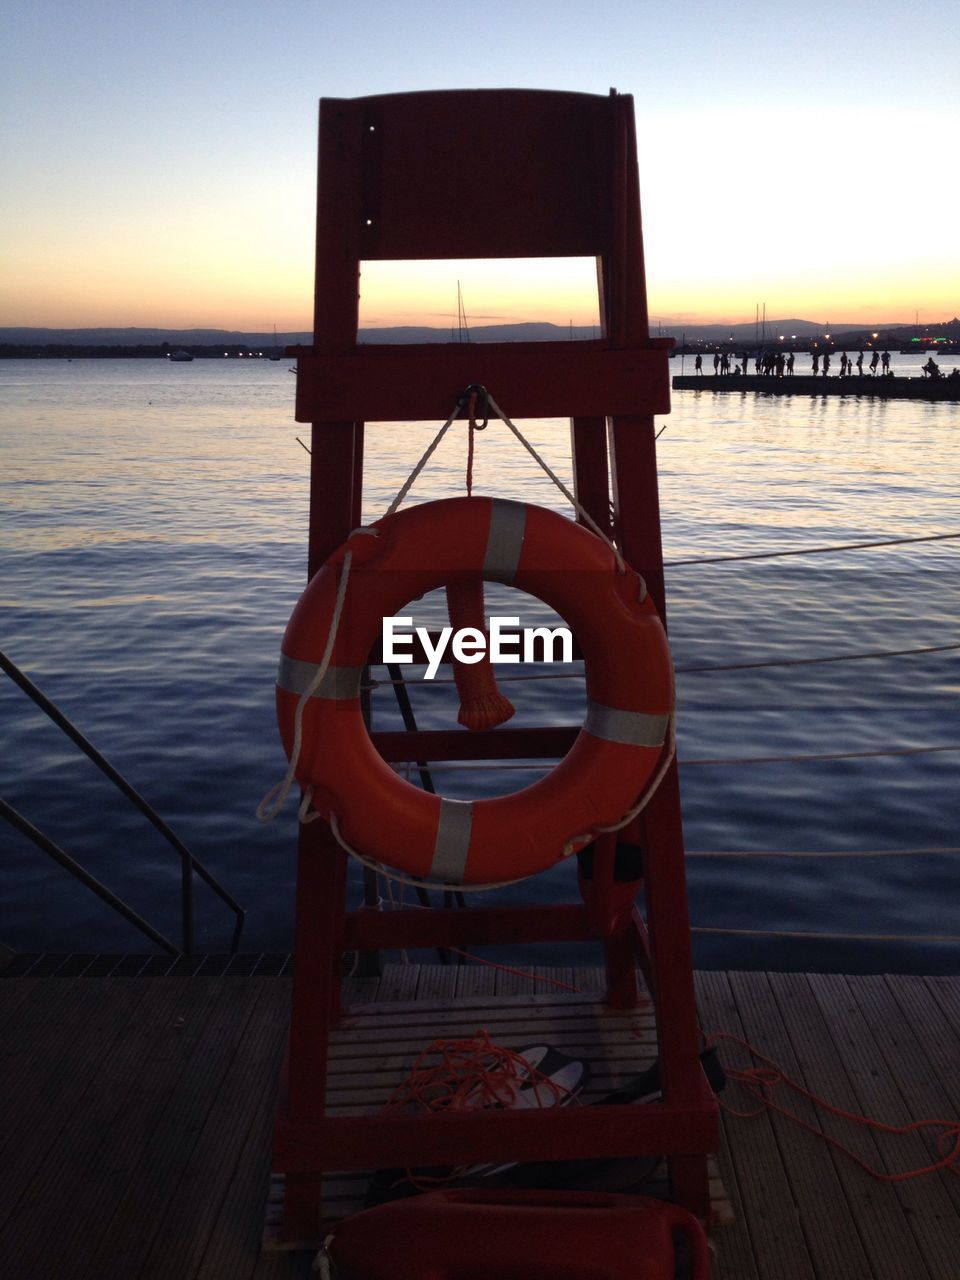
x=189 y=865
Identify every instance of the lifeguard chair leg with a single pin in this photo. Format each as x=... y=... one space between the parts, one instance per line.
x=315 y=1008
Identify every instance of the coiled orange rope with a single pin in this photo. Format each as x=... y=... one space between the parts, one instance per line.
x=467 y=1075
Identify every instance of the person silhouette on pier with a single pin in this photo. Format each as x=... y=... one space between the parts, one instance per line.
x=874 y=361
x=816 y=363
x=698 y=366
x=931 y=369
x=860 y=364
x=716 y=363
x=885 y=359
x=790 y=360
x=843 y=364
x=826 y=363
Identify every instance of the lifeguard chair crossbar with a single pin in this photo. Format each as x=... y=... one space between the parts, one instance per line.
x=536 y=174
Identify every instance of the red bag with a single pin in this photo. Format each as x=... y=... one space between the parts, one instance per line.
x=506 y=1234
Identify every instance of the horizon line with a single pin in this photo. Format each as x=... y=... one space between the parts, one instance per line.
x=654 y=324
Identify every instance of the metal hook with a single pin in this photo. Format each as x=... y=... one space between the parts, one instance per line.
x=473 y=404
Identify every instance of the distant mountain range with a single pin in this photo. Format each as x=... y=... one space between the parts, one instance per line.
x=533 y=332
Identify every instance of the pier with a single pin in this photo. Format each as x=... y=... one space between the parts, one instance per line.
x=882 y=388
x=139 y=1092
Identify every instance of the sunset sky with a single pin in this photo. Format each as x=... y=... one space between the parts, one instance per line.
x=157 y=161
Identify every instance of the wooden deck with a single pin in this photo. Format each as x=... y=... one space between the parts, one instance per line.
x=137 y=1101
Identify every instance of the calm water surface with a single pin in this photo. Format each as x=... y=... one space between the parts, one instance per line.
x=153 y=544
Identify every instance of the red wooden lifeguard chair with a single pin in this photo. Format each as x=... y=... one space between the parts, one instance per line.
x=537 y=174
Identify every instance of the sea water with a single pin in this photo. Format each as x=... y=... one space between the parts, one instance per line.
x=152 y=546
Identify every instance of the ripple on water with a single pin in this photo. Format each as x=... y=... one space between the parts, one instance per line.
x=153 y=546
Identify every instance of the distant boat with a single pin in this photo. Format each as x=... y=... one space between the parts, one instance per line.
x=181 y=357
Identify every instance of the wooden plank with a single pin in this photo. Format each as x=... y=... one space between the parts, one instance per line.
x=21 y=965
x=946 y=991
x=175 y=1099
x=35 y=1008
x=916 y=1071
x=369 y=1097
x=75 y=964
x=398 y=982
x=99 y=1133
x=510 y=982
x=876 y=1212
x=412 y=383
x=196 y=1204
x=13 y=992
x=729 y=1237
x=357 y=1027
x=578 y=1133
x=343 y=1194
x=927 y=1207
x=395 y=1056
x=242 y=965
x=556 y=978
x=105 y=1153
x=437 y=982
x=476 y=981
x=103 y=965
x=47 y=965
x=237 y=1234
x=824 y=1214
x=917 y=1007
x=377 y=1022
x=36 y=1037
x=129 y=966
x=608 y=1063
x=49 y=1067
x=489 y=1000
x=358 y=989
x=625 y=1043
x=49 y=1201
x=591 y=980
x=778 y=1242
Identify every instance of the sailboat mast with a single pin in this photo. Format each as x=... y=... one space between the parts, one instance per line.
x=463 y=332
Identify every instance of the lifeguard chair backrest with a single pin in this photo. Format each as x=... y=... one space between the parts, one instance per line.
x=478 y=173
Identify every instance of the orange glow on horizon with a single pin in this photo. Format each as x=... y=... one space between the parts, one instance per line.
x=181 y=287
x=500 y=291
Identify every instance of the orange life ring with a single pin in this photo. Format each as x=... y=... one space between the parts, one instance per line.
x=629 y=685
